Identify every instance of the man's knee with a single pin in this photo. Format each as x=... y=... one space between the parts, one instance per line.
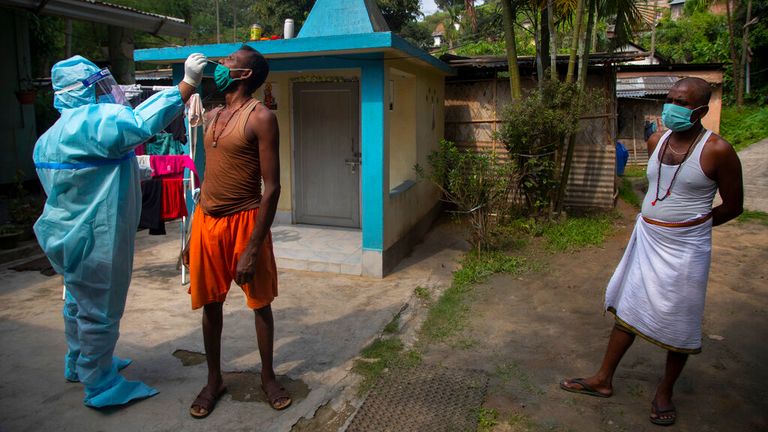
x=264 y=310
x=213 y=308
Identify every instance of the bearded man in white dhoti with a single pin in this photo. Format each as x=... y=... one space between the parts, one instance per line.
x=657 y=291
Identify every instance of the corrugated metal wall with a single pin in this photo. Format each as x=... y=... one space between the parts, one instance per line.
x=473 y=113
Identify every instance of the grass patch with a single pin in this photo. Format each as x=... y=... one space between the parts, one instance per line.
x=634 y=171
x=509 y=371
x=448 y=314
x=577 y=232
x=383 y=354
x=422 y=293
x=627 y=193
x=487 y=418
x=754 y=216
x=520 y=423
x=744 y=126
x=393 y=326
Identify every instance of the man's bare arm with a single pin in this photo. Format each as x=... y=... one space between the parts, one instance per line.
x=729 y=181
x=263 y=125
x=186 y=91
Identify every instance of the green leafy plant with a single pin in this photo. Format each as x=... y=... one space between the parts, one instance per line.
x=744 y=126
x=478 y=184
x=534 y=130
x=487 y=418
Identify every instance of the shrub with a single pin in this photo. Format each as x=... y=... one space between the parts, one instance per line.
x=534 y=130
x=478 y=184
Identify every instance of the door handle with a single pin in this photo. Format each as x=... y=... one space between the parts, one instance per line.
x=353 y=163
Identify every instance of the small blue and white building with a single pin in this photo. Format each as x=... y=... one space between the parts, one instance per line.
x=358 y=107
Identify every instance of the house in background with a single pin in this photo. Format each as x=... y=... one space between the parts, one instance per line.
x=438 y=35
x=358 y=107
x=643 y=56
x=475 y=99
x=676 y=8
x=641 y=91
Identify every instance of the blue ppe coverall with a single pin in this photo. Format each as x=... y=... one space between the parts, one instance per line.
x=87 y=167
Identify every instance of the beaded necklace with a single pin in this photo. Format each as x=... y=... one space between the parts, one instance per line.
x=661 y=162
x=216 y=120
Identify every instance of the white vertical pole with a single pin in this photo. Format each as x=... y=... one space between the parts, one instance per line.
x=183 y=232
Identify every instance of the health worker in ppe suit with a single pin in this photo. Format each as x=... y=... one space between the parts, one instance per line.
x=87 y=167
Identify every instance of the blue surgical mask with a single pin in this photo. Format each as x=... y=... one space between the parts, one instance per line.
x=222 y=77
x=677 y=118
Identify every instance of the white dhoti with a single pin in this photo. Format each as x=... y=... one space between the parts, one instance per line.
x=658 y=288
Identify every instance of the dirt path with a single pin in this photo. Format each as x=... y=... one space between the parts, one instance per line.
x=528 y=332
x=754 y=163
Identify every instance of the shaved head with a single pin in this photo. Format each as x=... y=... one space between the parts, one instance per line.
x=698 y=90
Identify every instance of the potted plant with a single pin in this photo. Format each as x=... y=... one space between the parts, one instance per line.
x=9 y=236
x=27 y=92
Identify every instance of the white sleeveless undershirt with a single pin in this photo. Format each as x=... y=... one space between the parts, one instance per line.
x=691 y=195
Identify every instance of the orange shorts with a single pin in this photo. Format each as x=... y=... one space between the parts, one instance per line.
x=215 y=245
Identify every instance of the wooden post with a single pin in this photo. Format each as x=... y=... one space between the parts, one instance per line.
x=634 y=137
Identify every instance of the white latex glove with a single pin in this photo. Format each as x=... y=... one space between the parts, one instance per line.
x=193 y=69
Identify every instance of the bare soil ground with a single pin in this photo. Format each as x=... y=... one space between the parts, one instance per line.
x=530 y=331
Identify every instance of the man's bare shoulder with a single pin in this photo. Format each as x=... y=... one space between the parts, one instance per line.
x=717 y=146
x=264 y=114
x=261 y=124
x=262 y=118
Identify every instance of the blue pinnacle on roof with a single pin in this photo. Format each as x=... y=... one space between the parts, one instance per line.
x=343 y=17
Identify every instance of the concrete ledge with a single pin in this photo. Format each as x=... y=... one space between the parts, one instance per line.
x=318 y=266
x=415 y=235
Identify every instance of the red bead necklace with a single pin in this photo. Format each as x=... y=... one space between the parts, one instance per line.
x=674 y=177
x=216 y=120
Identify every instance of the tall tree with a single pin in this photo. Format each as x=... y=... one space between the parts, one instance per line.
x=745 y=53
x=576 y=38
x=509 y=38
x=399 y=13
x=552 y=40
x=271 y=14
x=736 y=68
x=469 y=9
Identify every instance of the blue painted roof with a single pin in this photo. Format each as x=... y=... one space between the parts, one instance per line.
x=340 y=17
x=301 y=47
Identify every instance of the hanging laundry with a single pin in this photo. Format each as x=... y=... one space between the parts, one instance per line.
x=178 y=129
x=171 y=165
x=174 y=204
x=152 y=207
x=164 y=143
x=145 y=170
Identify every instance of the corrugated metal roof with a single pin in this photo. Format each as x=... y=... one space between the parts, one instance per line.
x=500 y=62
x=644 y=86
x=130 y=9
x=155 y=74
x=106 y=13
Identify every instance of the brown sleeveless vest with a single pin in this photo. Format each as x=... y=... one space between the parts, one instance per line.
x=232 y=181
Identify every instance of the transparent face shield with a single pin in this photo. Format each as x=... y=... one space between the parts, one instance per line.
x=105 y=87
